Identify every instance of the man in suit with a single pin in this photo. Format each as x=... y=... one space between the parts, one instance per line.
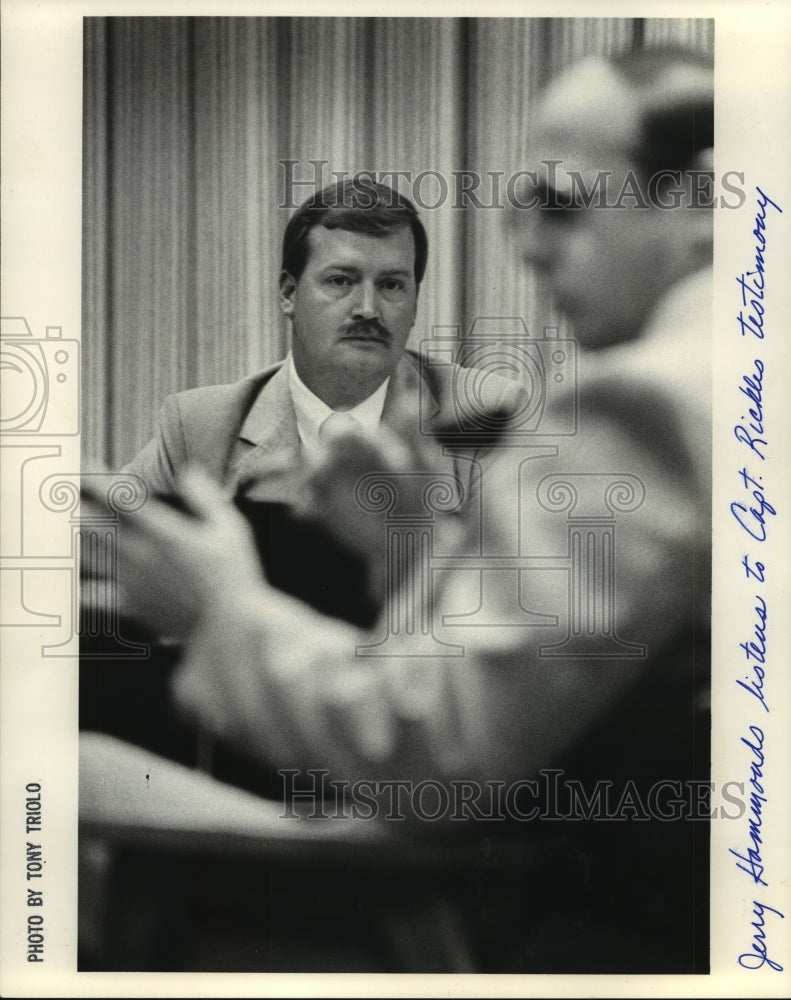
x=633 y=280
x=354 y=257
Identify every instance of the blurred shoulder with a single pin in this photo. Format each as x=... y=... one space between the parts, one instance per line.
x=673 y=350
x=657 y=388
x=466 y=390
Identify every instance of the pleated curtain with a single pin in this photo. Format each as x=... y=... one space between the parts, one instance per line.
x=201 y=134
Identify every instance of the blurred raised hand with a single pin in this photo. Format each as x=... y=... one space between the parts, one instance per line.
x=359 y=479
x=174 y=564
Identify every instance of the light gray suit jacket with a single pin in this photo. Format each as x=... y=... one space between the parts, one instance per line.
x=246 y=432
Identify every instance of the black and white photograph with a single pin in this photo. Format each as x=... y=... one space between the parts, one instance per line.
x=392 y=574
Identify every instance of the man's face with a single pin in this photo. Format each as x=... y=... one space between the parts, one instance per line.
x=605 y=266
x=353 y=305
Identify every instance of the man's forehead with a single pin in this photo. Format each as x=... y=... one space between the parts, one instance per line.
x=396 y=243
x=588 y=119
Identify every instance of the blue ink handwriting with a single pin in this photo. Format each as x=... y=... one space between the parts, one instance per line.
x=752 y=861
x=755 y=523
x=758 y=957
x=753 y=389
x=756 y=651
x=757 y=571
x=754 y=322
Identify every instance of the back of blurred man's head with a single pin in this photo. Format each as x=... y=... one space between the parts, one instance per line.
x=620 y=195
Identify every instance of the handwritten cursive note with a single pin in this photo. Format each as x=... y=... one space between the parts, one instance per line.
x=753 y=512
x=755 y=288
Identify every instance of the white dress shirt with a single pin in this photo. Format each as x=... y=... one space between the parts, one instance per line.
x=313 y=412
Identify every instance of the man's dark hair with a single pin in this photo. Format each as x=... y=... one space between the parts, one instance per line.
x=358 y=205
x=677 y=120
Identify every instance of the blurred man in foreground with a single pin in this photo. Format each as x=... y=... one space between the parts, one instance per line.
x=287 y=682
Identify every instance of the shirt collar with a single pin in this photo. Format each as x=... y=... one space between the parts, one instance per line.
x=312 y=412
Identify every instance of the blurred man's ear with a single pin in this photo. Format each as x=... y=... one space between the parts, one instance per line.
x=288 y=286
x=700 y=211
x=705 y=159
x=688 y=228
x=700 y=180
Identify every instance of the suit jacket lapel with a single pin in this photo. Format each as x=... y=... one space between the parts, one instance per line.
x=267 y=457
x=268 y=443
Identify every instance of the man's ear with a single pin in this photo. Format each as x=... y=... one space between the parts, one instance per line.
x=700 y=215
x=704 y=159
x=288 y=286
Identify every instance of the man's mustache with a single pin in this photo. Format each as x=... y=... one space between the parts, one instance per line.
x=367 y=328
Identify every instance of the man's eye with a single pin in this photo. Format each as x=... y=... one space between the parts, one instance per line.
x=339 y=280
x=393 y=285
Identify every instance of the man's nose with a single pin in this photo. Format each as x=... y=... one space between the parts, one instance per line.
x=366 y=301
